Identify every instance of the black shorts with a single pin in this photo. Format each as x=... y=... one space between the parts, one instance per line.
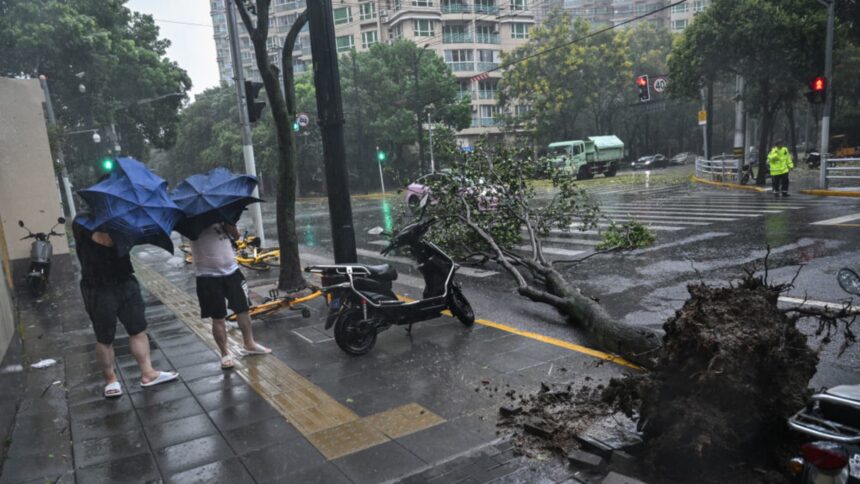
x=217 y=293
x=104 y=304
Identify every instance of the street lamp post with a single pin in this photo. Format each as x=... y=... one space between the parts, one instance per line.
x=419 y=108
x=430 y=130
x=828 y=100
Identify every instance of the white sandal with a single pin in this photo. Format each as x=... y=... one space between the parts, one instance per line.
x=113 y=390
x=227 y=362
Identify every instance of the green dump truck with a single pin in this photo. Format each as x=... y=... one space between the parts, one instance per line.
x=588 y=157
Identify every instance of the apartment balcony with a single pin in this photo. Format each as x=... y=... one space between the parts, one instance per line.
x=456 y=38
x=487 y=9
x=461 y=66
x=457 y=8
x=284 y=7
x=464 y=95
x=487 y=94
x=485 y=122
x=487 y=66
x=488 y=38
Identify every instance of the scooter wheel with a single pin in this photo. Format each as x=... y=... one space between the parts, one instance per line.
x=348 y=337
x=37 y=286
x=460 y=307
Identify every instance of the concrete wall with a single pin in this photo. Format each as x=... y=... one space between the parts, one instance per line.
x=7 y=308
x=28 y=185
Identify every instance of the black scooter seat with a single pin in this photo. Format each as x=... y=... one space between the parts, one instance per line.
x=383 y=272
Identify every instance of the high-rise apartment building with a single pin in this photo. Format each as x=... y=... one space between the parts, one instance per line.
x=470 y=35
x=681 y=15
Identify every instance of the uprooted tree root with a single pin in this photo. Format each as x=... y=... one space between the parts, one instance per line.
x=733 y=367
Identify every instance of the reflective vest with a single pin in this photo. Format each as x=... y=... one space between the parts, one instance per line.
x=779 y=160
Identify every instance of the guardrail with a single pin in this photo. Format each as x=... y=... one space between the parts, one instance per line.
x=842 y=169
x=717 y=170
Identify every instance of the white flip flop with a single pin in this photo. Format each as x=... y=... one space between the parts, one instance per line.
x=163 y=377
x=258 y=350
x=113 y=390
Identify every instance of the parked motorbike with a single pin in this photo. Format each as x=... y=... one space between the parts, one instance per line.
x=41 y=252
x=361 y=300
x=833 y=416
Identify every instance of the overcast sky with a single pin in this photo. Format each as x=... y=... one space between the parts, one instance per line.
x=192 y=46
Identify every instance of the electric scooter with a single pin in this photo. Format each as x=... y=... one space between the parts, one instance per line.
x=833 y=417
x=361 y=300
x=41 y=252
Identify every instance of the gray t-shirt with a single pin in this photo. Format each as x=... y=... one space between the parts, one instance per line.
x=212 y=253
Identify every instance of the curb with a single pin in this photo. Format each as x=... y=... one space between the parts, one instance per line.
x=830 y=193
x=733 y=186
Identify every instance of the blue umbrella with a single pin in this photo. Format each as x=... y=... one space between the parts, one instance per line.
x=218 y=195
x=132 y=205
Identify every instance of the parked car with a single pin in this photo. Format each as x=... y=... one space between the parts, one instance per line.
x=650 y=162
x=684 y=158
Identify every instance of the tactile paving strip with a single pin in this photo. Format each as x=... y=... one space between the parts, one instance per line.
x=332 y=428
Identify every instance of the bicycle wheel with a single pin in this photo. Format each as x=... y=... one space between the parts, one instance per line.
x=265 y=309
x=253 y=264
x=273 y=259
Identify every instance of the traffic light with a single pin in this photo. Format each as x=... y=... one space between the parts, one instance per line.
x=255 y=108
x=296 y=126
x=644 y=88
x=380 y=155
x=817 y=90
x=107 y=164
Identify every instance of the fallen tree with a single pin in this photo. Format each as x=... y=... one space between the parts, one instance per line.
x=490 y=206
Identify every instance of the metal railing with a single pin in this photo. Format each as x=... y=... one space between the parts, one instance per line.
x=456 y=8
x=461 y=66
x=724 y=170
x=484 y=38
x=842 y=169
x=456 y=38
x=487 y=66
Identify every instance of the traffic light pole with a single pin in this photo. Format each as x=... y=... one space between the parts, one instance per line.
x=828 y=100
x=247 y=145
x=379 y=164
x=330 y=110
x=64 y=173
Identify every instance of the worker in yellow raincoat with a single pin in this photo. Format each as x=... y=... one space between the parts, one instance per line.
x=780 y=164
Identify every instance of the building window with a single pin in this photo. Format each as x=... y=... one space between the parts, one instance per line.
x=342 y=15
x=367 y=10
x=519 y=31
x=396 y=32
x=521 y=109
x=368 y=39
x=698 y=5
x=679 y=24
x=422 y=3
x=519 y=4
x=458 y=55
x=422 y=28
x=344 y=43
x=681 y=8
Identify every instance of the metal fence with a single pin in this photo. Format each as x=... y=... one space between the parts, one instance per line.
x=722 y=170
x=842 y=169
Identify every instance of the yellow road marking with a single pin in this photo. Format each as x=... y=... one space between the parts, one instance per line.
x=734 y=186
x=547 y=339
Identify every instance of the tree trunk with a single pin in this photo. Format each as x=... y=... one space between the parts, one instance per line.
x=765 y=128
x=290 y=277
x=709 y=128
x=792 y=136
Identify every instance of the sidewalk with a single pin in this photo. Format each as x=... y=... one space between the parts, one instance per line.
x=420 y=408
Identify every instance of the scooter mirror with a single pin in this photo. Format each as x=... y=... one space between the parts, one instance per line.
x=21 y=224
x=849 y=281
x=424 y=199
x=61 y=220
x=375 y=231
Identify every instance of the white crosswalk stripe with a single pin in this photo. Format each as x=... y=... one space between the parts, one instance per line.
x=839 y=220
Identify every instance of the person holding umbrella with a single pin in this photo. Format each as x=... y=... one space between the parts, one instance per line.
x=108 y=286
x=213 y=203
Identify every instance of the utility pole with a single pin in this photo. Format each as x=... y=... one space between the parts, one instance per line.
x=64 y=174
x=330 y=109
x=705 y=128
x=739 y=126
x=247 y=144
x=430 y=130
x=828 y=100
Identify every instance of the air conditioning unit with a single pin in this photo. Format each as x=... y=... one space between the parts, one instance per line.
x=474 y=108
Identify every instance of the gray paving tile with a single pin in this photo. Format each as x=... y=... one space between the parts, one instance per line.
x=327 y=473
x=160 y=394
x=105 y=426
x=243 y=414
x=194 y=453
x=278 y=462
x=179 y=430
x=131 y=470
x=170 y=410
x=230 y=471
x=215 y=382
x=228 y=397
x=97 y=451
x=441 y=442
x=202 y=370
x=249 y=438
x=379 y=463
x=182 y=361
x=35 y=467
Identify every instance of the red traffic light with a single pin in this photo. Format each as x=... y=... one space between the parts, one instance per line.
x=818 y=84
x=642 y=81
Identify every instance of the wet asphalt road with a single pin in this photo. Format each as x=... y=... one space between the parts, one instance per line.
x=703 y=233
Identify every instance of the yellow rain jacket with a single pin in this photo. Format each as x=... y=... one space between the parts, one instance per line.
x=779 y=160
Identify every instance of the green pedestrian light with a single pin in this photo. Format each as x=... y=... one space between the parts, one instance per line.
x=296 y=126
x=107 y=165
x=380 y=155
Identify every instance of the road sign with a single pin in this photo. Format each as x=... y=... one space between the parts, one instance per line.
x=660 y=84
x=703 y=117
x=303 y=119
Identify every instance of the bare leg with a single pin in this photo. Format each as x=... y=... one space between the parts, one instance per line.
x=104 y=356
x=247 y=333
x=139 y=346
x=219 y=332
